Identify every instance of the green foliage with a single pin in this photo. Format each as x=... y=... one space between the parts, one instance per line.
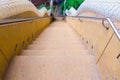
x=47 y=7
x=67 y=5
x=41 y=6
x=71 y=3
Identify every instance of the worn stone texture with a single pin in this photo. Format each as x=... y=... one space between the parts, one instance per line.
x=57 y=54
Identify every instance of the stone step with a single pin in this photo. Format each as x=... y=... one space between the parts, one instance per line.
x=56 y=46
x=53 y=68
x=57 y=54
x=54 y=53
x=57 y=41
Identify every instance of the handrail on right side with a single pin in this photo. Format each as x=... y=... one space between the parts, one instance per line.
x=114 y=28
x=102 y=18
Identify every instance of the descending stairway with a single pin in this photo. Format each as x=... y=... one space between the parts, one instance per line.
x=57 y=54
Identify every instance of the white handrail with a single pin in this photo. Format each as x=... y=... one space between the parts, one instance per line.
x=114 y=27
x=117 y=33
x=20 y=19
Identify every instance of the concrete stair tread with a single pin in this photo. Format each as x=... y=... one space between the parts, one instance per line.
x=53 y=68
x=58 y=38
x=57 y=54
x=52 y=48
x=54 y=52
x=55 y=47
x=56 y=42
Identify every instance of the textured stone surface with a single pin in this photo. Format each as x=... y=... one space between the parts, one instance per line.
x=57 y=54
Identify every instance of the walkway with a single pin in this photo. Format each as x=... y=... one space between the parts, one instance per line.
x=57 y=54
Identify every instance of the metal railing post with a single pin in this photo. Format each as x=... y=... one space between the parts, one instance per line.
x=51 y=6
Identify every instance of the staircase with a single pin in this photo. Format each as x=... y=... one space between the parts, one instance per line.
x=57 y=54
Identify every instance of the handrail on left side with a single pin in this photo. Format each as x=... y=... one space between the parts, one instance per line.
x=6 y=21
